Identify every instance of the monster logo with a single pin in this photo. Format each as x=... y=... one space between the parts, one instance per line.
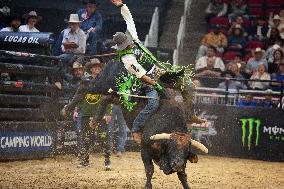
x=92 y=98
x=250 y=127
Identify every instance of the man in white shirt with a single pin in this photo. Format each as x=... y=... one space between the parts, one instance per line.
x=32 y=19
x=74 y=40
x=14 y=22
x=140 y=62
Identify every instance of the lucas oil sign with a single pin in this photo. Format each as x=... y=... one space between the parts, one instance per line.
x=25 y=141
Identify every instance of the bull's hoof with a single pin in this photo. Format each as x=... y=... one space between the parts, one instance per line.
x=148 y=186
x=193 y=158
x=107 y=168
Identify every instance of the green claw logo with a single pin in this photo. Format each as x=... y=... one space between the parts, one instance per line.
x=250 y=127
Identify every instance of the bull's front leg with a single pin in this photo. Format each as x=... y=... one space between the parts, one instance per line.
x=183 y=179
x=149 y=168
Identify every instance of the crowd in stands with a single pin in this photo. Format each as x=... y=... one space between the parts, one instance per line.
x=245 y=40
x=78 y=39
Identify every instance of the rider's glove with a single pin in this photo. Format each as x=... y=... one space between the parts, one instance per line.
x=158 y=87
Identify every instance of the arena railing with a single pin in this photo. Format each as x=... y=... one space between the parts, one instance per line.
x=181 y=31
x=151 y=39
x=207 y=95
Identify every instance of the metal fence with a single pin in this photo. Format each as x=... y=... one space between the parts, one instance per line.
x=227 y=96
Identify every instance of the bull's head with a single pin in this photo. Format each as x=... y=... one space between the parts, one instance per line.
x=177 y=150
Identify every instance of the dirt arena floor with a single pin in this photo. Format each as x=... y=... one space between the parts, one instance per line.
x=128 y=172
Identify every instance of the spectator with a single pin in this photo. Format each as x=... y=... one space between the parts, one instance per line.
x=91 y=24
x=277 y=59
x=274 y=38
x=248 y=101
x=2 y=20
x=74 y=40
x=281 y=14
x=261 y=74
x=268 y=102
x=231 y=84
x=239 y=20
x=254 y=62
x=14 y=23
x=235 y=69
x=4 y=12
x=209 y=66
x=269 y=54
x=236 y=40
x=238 y=8
x=259 y=30
x=31 y=19
x=215 y=38
x=216 y=8
x=77 y=74
x=276 y=24
x=278 y=77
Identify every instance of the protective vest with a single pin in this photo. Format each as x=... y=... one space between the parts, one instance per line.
x=143 y=56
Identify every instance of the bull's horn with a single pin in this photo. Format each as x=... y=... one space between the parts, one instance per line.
x=163 y=136
x=199 y=146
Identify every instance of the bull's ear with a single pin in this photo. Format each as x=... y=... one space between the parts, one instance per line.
x=193 y=158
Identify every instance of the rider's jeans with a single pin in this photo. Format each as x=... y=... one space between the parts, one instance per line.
x=151 y=106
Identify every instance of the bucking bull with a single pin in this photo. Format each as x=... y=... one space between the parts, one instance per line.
x=165 y=138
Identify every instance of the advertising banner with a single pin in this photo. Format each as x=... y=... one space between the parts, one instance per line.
x=26 y=142
x=246 y=132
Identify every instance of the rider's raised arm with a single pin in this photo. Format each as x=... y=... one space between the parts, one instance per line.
x=126 y=14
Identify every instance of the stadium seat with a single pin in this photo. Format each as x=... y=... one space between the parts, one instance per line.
x=275 y=3
x=230 y=55
x=274 y=11
x=222 y=21
x=255 y=2
x=246 y=23
x=247 y=57
x=256 y=11
x=255 y=44
x=223 y=30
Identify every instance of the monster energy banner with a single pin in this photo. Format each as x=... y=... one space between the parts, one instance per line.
x=245 y=132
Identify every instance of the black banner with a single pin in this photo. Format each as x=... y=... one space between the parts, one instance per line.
x=244 y=132
x=30 y=39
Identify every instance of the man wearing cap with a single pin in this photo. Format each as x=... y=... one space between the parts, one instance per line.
x=277 y=24
x=14 y=22
x=86 y=106
x=91 y=24
x=254 y=62
x=31 y=19
x=74 y=40
x=140 y=62
x=78 y=73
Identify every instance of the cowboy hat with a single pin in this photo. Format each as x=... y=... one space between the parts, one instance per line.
x=121 y=40
x=77 y=65
x=74 y=18
x=258 y=50
x=93 y=62
x=32 y=14
x=276 y=17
